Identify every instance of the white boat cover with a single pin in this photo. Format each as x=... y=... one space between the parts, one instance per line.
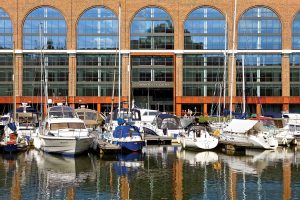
x=243 y=125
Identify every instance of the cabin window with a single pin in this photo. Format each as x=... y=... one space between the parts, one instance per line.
x=292 y=128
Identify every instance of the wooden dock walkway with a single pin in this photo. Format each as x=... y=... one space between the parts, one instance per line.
x=154 y=139
x=107 y=147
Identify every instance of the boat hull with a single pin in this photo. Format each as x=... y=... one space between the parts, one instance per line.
x=63 y=145
x=130 y=146
x=199 y=143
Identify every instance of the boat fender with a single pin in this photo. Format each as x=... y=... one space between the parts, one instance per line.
x=217 y=166
x=284 y=141
x=217 y=133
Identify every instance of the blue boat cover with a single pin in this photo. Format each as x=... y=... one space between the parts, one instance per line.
x=126 y=131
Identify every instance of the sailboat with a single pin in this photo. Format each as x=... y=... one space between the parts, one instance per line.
x=10 y=139
x=198 y=137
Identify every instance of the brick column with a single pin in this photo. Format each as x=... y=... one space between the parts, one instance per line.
x=19 y=74
x=285 y=79
x=178 y=78
x=230 y=79
x=72 y=77
x=125 y=76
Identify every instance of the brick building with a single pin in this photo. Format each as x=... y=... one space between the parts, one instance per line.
x=174 y=55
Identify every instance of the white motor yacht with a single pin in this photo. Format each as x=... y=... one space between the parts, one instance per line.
x=63 y=132
x=249 y=134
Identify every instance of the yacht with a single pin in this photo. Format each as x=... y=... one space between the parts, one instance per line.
x=126 y=136
x=247 y=134
x=63 y=132
x=165 y=125
x=198 y=137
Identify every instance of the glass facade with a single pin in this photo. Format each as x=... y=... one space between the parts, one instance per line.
x=152 y=28
x=296 y=32
x=259 y=28
x=152 y=68
x=202 y=74
x=204 y=29
x=48 y=23
x=97 y=29
x=6 y=74
x=58 y=74
x=95 y=75
x=6 y=31
x=152 y=81
x=262 y=75
x=295 y=75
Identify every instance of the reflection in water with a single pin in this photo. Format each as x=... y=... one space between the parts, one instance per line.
x=159 y=172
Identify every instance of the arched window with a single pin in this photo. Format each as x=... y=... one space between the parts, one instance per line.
x=152 y=28
x=296 y=32
x=48 y=23
x=259 y=28
x=6 y=31
x=204 y=29
x=97 y=29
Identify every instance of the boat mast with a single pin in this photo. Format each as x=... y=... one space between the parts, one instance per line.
x=119 y=109
x=41 y=60
x=225 y=65
x=243 y=74
x=14 y=84
x=232 y=59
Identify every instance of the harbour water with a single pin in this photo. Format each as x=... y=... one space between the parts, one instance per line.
x=159 y=172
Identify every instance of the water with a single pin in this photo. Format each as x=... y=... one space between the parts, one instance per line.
x=159 y=172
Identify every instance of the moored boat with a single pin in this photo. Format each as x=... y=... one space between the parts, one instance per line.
x=247 y=134
x=63 y=132
x=127 y=136
x=198 y=137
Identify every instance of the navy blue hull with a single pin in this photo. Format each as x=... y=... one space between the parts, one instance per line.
x=131 y=146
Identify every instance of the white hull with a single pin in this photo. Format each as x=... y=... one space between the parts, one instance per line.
x=63 y=145
x=252 y=141
x=199 y=143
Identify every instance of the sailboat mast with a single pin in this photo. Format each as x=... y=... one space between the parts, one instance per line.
x=225 y=65
x=41 y=60
x=14 y=84
x=243 y=74
x=129 y=83
x=232 y=59
x=119 y=109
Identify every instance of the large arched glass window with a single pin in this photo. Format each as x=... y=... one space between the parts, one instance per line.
x=204 y=29
x=296 y=32
x=259 y=28
x=97 y=29
x=152 y=28
x=48 y=23
x=6 y=31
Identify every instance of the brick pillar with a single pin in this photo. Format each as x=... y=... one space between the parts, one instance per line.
x=178 y=78
x=231 y=66
x=72 y=77
x=98 y=107
x=19 y=74
x=285 y=79
x=126 y=87
x=258 y=109
x=205 y=113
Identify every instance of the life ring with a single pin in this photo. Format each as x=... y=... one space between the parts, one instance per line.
x=217 y=166
x=217 y=133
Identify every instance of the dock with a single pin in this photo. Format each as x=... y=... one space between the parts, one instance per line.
x=155 y=139
x=107 y=147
